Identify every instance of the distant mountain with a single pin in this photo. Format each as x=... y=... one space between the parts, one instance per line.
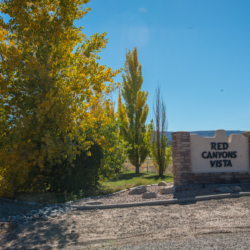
x=205 y=133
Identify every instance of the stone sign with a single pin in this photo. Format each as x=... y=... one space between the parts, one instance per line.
x=219 y=153
x=210 y=160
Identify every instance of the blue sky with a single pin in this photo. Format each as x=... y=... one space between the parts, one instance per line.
x=198 y=51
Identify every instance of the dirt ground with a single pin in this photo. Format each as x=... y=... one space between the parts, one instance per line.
x=111 y=228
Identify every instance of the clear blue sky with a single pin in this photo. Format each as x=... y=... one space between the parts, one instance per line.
x=198 y=51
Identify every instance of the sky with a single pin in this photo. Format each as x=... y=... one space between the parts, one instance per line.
x=197 y=51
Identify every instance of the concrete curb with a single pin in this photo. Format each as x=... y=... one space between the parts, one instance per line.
x=163 y=202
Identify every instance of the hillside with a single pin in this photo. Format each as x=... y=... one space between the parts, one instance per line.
x=209 y=133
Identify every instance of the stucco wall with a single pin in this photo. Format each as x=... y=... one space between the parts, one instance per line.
x=208 y=154
x=188 y=168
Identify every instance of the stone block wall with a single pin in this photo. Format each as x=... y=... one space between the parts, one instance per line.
x=182 y=165
x=247 y=134
x=181 y=157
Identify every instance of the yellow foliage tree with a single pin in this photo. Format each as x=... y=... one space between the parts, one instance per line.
x=53 y=90
x=135 y=111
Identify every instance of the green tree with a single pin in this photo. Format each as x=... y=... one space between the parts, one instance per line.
x=53 y=90
x=160 y=153
x=133 y=113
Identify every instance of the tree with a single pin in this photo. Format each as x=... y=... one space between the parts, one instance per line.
x=134 y=113
x=160 y=153
x=53 y=90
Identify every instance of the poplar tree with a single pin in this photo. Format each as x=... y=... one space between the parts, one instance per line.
x=160 y=153
x=133 y=113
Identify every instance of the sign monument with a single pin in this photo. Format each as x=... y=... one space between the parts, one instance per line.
x=210 y=160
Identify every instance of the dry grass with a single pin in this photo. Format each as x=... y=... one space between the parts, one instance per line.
x=148 y=164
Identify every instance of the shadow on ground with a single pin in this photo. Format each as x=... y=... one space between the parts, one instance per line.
x=204 y=190
x=157 y=177
x=145 y=176
x=44 y=235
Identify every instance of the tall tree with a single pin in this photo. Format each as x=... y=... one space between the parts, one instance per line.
x=133 y=113
x=53 y=90
x=159 y=152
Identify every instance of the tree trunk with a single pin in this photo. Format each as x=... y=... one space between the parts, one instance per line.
x=137 y=170
x=161 y=171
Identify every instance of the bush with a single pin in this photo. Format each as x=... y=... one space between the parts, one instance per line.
x=84 y=174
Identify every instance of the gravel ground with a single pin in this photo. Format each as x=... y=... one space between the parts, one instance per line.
x=237 y=241
x=9 y=208
x=210 y=224
x=20 y=212
x=181 y=192
x=13 y=214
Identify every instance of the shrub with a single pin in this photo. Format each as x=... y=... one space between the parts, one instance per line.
x=83 y=174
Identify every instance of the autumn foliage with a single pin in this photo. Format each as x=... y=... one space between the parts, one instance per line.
x=54 y=94
x=134 y=111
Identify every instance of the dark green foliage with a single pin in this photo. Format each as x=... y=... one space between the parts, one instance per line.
x=83 y=176
x=85 y=172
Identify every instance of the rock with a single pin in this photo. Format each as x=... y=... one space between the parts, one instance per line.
x=138 y=190
x=236 y=189
x=149 y=195
x=91 y=203
x=121 y=191
x=32 y=203
x=224 y=190
x=162 y=183
x=168 y=190
x=45 y=217
x=53 y=215
x=68 y=203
